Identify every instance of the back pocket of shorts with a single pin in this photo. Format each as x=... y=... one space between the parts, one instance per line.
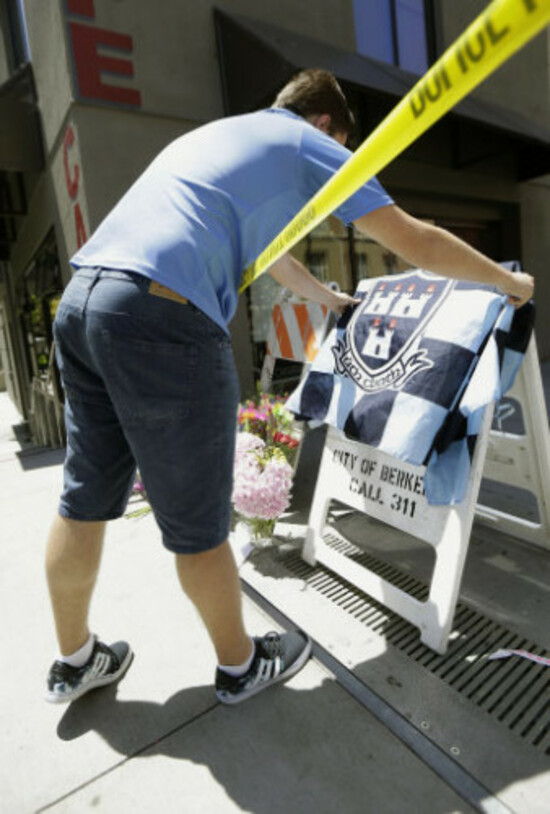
x=150 y=382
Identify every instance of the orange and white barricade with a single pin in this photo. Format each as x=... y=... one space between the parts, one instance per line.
x=296 y=332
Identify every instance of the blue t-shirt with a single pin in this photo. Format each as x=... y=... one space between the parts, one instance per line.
x=212 y=200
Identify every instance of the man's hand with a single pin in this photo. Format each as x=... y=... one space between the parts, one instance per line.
x=519 y=287
x=338 y=301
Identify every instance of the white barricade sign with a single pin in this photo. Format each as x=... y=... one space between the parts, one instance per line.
x=389 y=490
x=522 y=459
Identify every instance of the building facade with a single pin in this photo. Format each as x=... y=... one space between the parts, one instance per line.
x=91 y=90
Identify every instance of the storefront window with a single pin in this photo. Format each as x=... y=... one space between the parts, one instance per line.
x=373 y=260
x=325 y=252
x=42 y=289
x=317 y=264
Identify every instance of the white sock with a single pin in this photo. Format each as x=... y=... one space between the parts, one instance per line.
x=81 y=656
x=239 y=669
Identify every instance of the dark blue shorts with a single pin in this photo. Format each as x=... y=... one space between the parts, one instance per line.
x=148 y=382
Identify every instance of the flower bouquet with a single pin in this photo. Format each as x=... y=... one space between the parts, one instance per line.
x=265 y=456
x=265 y=452
x=268 y=419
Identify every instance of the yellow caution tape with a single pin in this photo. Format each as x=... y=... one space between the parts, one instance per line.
x=501 y=30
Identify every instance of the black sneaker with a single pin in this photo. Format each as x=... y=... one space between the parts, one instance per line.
x=277 y=657
x=105 y=665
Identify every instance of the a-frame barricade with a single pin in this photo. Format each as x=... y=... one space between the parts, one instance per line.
x=391 y=491
x=520 y=457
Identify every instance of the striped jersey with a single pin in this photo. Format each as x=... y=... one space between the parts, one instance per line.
x=412 y=368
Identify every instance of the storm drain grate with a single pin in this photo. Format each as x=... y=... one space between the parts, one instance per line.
x=516 y=692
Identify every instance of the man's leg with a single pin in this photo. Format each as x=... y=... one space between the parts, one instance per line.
x=211 y=581
x=72 y=563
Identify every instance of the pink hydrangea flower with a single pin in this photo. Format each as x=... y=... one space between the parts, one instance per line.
x=261 y=487
x=247 y=441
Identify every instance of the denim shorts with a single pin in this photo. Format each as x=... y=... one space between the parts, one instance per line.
x=149 y=382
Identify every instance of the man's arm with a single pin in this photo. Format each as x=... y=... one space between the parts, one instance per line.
x=289 y=272
x=434 y=249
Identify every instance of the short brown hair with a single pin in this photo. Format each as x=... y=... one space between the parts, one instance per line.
x=314 y=92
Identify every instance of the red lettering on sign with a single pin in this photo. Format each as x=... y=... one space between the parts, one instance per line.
x=89 y=64
x=70 y=180
x=83 y=7
x=81 y=236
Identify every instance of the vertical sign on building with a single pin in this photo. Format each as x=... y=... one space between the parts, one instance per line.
x=71 y=173
x=68 y=179
x=102 y=72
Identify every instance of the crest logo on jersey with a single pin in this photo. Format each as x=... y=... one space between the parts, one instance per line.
x=381 y=346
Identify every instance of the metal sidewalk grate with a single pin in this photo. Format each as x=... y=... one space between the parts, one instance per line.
x=514 y=692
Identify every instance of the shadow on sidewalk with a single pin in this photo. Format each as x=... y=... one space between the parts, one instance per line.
x=32 y=455
x=272 y=753
x=290 y=750
x=39 y=457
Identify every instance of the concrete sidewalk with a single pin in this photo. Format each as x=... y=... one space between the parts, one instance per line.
x=160 y=741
